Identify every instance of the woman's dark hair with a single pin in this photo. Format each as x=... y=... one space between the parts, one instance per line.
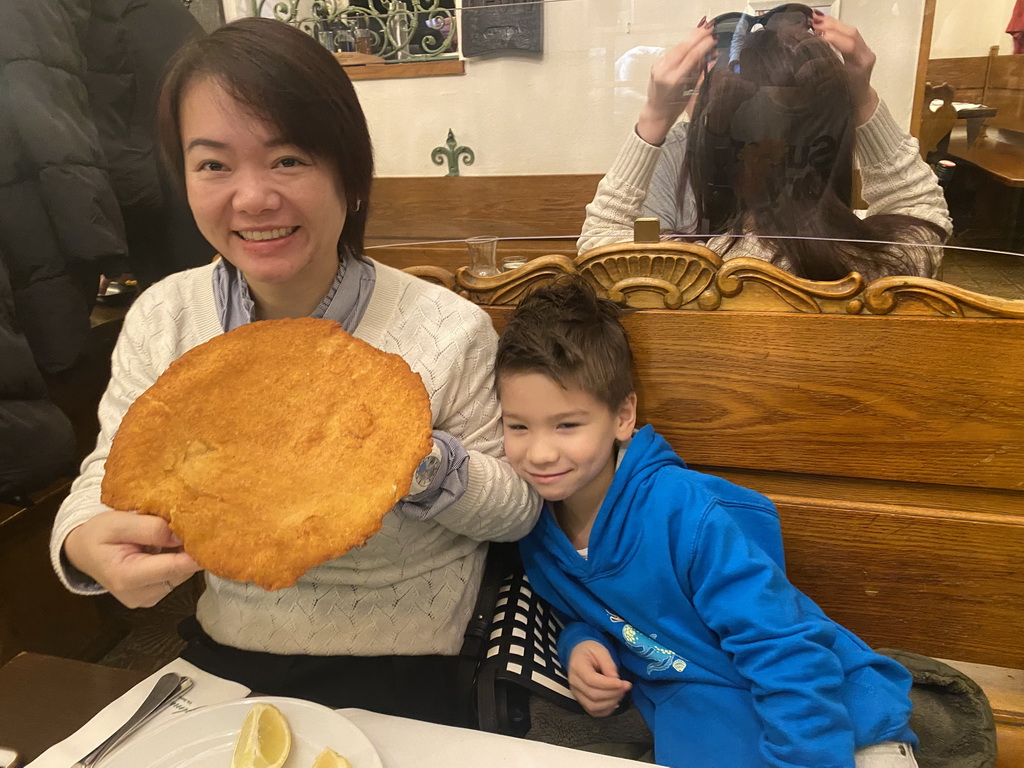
x=286 y=79
x=770 y=152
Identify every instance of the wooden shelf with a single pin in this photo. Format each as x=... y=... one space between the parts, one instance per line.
x=406 y=69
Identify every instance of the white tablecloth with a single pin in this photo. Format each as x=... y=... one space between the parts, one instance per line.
x=403 y=743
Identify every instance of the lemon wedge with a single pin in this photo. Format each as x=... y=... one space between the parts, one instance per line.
x=265 y=739
x=331 y=759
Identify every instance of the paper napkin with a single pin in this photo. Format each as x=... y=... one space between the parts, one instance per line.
x=208 y=689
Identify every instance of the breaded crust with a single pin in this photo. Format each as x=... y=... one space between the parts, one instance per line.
x=273 y=448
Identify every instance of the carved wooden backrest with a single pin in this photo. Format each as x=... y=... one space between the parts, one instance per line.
x=886 y=421
x=936 y=123
x=686 y=276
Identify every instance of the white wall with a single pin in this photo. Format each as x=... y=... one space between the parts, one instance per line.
x=964 y=28
x=565 y=112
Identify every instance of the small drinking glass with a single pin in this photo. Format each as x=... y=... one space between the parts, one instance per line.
x=512 y=261
x=482 y=255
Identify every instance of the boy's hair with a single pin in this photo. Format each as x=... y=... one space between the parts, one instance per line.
x=565 y=332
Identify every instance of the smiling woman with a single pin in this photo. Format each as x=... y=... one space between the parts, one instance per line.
x=264 y=132
x=273 y=210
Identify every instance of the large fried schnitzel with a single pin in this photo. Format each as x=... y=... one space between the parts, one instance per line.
x=272 y=448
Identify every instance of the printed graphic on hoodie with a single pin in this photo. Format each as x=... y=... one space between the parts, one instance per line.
x=661 y=658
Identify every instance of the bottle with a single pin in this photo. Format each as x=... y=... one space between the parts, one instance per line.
x=944 y=171
x=344 y=40
x=363 y=37
x=399 y=22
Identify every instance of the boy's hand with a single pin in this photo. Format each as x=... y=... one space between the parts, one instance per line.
x=594 y=679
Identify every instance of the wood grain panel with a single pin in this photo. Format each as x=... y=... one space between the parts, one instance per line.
x=1010 y=110
x=921 y=583
x=457 y=207
x=925 y=400
x=1006 y=72
x=963 y=72
x=980 y=504
x=898 y=398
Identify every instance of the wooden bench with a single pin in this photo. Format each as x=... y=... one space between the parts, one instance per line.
x=549 y=210
x=886 y=421
x=993 y=80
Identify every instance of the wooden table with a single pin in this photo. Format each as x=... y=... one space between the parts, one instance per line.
x=31 y=683
x=1000 y=159
x=44 y=699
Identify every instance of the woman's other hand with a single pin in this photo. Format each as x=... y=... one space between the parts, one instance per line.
x=673 y=77
x=136 y=557
x=858 y=59
x=594 y=679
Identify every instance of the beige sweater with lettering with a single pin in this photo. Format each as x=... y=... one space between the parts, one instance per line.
x=411 y=589
x=894 y=179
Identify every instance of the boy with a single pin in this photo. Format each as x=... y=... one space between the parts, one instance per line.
x=671 y=581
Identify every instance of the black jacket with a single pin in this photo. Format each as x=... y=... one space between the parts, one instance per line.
x=37 y=444
x=80 y=190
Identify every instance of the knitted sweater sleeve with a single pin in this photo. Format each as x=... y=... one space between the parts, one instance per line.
x=895 y=180
x=497 y=505
x=620 y=195
x=133 y=370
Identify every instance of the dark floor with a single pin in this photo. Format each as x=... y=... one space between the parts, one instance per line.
x=152 y=640
x=994 y=274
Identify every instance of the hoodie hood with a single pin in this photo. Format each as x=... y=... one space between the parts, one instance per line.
x=646 y=454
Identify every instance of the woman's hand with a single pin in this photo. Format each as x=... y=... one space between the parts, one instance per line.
x=594 y=679
x=673 y=77
x=136 y=557
x=858 y=59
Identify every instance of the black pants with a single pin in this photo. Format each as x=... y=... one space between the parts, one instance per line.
x=420 y=687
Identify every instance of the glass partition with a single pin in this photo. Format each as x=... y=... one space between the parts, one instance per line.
x=549 y=96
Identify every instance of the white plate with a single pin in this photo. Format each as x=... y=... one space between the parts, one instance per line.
x=206 y=737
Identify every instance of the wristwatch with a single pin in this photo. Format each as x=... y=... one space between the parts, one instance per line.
x=426 y=471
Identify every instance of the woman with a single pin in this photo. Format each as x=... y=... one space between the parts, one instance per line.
x=266 y=131
x=770 y=150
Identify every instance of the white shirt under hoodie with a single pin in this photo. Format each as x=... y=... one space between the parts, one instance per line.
x=411 y=589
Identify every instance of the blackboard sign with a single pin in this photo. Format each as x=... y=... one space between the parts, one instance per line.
x=509 y=26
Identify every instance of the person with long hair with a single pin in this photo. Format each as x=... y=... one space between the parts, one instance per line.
x=266 y=134
x=765 y=167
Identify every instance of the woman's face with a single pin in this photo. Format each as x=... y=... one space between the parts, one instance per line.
x=271 y=209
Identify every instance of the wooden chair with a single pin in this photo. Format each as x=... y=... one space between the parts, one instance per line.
x=936 y=124
x=885 y=420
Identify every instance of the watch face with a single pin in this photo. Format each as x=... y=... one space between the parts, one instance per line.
x=426 y=470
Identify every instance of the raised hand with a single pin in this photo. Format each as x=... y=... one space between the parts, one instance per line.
x=673 y=78
x=136 y=557
x=858 y=59
x=594 y=679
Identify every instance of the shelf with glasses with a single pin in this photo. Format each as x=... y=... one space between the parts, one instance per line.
x=430 y=68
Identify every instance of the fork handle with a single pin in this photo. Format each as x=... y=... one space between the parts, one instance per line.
x=162 y=693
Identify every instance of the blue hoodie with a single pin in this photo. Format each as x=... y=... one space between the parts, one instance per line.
x=732 y=666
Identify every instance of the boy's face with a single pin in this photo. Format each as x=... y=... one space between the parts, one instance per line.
x=560 y=441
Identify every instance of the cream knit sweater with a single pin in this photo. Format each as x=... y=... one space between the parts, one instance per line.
x=894 y=179
x=411 y=589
